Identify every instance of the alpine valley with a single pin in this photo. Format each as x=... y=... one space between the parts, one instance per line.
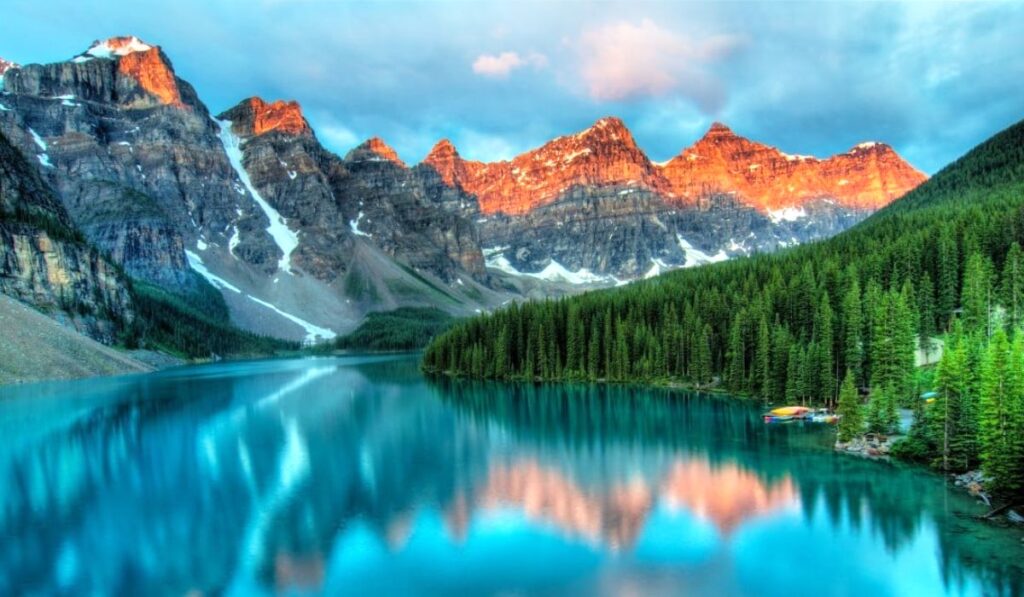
x=120 y=183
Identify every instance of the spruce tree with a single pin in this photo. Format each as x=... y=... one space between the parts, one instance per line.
x=736 y=374
x=762 y=362
x=926 y=317
x=976 y=294
x=949 y=276
x=1001 y=388
x=702 y=356
x=1012 y=287
x=852 y=327
x=851 y=415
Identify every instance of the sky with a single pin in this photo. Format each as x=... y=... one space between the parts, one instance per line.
x=932 y=79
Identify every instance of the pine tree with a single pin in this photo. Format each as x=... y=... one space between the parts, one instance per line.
x=951 y=419
x=794 y=365
x=851 y=415
x=926 y=317
x=594 y=351
x=826 y=376
x=852 y=325
x=876 y=410
x=949 y=276
x=736 y=375
x=702 y=356
x=1012 y=289
x=762 y=362
x=1001 y=389
x=977 y=294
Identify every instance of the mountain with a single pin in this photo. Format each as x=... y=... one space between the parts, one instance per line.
x=788 y=326
x=603 y=155
x=163 y=188
x=303 y=243
x=592 y=208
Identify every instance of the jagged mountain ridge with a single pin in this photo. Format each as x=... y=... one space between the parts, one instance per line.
x=302 y=242
x=868 y=176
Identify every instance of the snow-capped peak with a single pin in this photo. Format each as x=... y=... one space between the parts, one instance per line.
x=117 y=46
x=6 y=65
x=607 y=126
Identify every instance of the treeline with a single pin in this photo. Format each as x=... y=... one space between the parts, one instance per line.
x=791 y=326
x=194 y=326
x=406 y=328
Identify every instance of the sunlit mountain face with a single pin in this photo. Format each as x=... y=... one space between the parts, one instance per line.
x=358 y=476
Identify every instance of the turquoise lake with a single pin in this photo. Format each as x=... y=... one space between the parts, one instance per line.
x=357 y=475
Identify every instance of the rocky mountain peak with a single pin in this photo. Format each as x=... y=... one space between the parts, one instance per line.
x=374 y=149
x=442 y=150
x=445 y=159
x=607 y=130
x=868 y=176
x=718 y=128
x=254 y=116
x=6 y=65
x=871 y=147
x=117 y=46
x=604 y=154
x=138 y=60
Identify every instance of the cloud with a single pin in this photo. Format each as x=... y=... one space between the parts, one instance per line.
x=624 y=60
x=337 y=137
x=500 y=65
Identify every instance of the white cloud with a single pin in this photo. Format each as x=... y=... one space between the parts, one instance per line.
x=624 y=60
x=499 y=66
x=337 y=137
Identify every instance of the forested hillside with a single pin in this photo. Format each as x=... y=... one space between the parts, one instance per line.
x=793 y=326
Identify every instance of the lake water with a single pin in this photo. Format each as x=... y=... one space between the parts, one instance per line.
x=358 y=476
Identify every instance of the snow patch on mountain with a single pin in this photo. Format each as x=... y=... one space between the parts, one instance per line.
x=787 y=214
x=233 y=241
x=354 y=225
x=658 y=267
x=117 y=47
x=695 y=256
x=196 y=263
x=286 y=239
x=43 y=158
x=552 y=272
x=313 y=332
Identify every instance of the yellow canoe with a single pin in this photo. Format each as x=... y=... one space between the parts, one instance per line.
x=789 y=411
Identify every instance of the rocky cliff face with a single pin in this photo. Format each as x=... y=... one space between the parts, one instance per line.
x=45 y=263
x=369 y=196
x=591 y=208
x=603 y=155
x=134 y=156
x=867 y=177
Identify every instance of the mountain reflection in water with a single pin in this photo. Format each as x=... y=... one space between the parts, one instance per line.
x=356 y=475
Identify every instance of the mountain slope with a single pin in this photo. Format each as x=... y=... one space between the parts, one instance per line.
x=37 y=348
x=778 y=325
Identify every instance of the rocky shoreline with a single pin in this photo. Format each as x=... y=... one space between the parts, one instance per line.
x=879 y=447
x=869 y=445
